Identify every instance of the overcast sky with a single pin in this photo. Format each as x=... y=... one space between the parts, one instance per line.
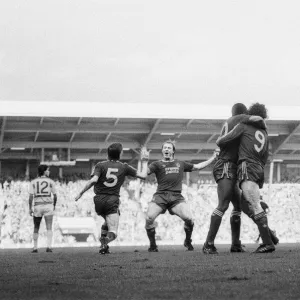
x=199 y=52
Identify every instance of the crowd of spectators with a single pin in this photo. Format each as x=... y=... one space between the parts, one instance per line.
x=17 y=225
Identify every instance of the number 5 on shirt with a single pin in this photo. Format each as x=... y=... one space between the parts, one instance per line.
x=112 y=179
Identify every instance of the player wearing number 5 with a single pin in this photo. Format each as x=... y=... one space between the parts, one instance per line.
x=253 y=155
x=107 y=179
x=40 y=196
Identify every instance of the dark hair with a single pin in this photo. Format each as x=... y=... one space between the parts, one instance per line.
x=42 y=169
x=258 y=109
x=169 y=142
x=239 y=109
x=114 y=151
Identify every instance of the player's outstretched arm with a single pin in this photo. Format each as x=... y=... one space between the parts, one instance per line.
x=233 y=134
x=88 y=185
x=206 y=163
x=145 y=154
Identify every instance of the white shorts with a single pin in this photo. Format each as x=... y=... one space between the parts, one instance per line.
x=43 y=210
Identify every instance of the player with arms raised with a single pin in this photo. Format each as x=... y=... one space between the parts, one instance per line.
x=40 y=192
x=169 y=174
x=253 y=155
x=107 y=179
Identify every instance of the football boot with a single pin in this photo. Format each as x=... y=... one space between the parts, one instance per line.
x=265 y=249
x=188 y=245
x=104 y=249
x=209 y=249
x=274 y=238
x=237 y=248
x=153 y=248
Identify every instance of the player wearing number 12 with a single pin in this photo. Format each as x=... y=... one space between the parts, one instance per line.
x=107 y=179
x=40 y=192
x=253 y=155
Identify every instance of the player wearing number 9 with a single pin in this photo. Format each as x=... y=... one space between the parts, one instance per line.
x=253 y=155
x=107 y=179
x=40 y=193
x=225 y=175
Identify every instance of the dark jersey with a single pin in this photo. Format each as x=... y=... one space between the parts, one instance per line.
x=254 y=143
x=111 y=176
x=169 y=175
x=229 y=151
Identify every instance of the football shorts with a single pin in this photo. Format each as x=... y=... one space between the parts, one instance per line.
x=167 y=200
x=225 y=169
x=106 y=204
x=252 y=172
x=41 y=210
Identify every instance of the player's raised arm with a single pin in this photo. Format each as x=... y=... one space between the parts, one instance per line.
x=233 y=134
x=88 y=185
x=142 y=174
x=206 y=163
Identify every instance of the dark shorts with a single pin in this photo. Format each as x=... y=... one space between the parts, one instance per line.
x=252 y=172
x=224 y=169
x=106 y=205
x=167 y=200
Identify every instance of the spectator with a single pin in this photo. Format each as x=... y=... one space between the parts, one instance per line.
x=284 y=216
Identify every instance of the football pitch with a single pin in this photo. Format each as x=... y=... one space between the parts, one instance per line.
x=133 y=273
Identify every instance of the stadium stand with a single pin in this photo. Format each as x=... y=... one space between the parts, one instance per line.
x=17 y=225
x=27 y=140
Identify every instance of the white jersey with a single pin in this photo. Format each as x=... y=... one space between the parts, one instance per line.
x=41 y=188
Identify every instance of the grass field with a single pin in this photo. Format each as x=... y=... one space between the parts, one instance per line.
x=133 y=273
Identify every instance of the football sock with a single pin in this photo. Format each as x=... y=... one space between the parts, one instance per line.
x=104 y=230
x=35 y=240
x=49 y=238
x=272 y=235
x=151 y=236
x=261 y=221
x=215 y=222
x=188 y=228
x=235 y=223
